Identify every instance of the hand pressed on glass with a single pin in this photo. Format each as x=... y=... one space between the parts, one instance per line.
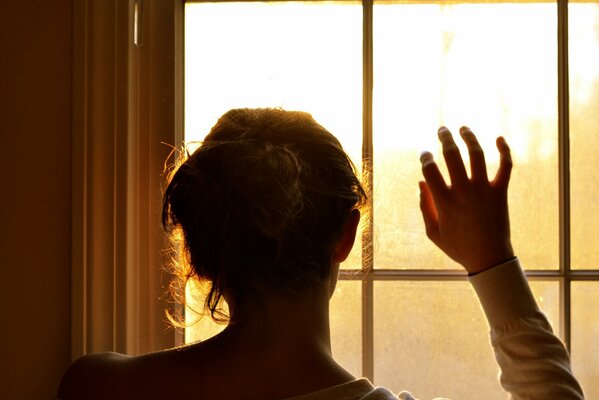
x=468 y=219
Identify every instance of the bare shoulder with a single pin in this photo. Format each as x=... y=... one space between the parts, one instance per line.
x=94 y=375
x=117 y=376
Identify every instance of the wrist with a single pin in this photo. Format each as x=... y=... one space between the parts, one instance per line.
x=490 y=260
x=507 y=261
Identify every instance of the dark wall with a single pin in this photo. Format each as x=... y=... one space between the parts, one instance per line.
x=35 y=195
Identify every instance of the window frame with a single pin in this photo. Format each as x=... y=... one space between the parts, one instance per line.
x=116 y=277
x=564 y=275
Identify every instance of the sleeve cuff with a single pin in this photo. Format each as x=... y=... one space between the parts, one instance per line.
x=504 y=293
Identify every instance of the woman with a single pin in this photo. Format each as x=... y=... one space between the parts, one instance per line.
x=268 y=208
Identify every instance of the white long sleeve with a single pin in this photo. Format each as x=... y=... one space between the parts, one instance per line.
x=534 y=363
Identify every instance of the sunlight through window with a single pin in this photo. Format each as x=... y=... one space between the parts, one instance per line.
x=492 y=66
x=454 y=65
x=277 y=55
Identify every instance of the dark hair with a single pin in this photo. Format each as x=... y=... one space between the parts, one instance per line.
x=261 y=202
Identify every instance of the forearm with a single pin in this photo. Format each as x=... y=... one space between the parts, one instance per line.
x=534 y=363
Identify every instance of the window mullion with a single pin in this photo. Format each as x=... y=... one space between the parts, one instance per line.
x=564 y=162
x=367 y=168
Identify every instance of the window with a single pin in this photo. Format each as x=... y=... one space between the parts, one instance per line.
x=382 y=76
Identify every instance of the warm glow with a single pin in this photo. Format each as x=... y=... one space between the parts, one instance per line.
x=298 y=56
x=201 y=326
x=491 y=66
x=273 y=55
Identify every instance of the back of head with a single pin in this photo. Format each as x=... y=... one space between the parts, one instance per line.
x=261 y=202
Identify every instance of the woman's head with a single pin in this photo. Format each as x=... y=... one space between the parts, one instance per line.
x=261 y=203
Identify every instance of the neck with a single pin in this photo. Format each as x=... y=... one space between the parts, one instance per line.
x=284 y=324
x=283 y=342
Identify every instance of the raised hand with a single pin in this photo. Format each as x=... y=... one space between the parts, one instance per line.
x=468 y=220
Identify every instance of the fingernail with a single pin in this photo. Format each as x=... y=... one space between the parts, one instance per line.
x=426 y=158
x=502 y=144
x=443 y=132
x=464 y=130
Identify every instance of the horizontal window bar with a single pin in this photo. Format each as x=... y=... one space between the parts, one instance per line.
x=420 y=274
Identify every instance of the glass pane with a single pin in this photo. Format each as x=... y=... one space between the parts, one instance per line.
x=346 y=325
x=426 y=331
x=583 y=45
x=270 y=59
x=490 y=66
x=547 y=295
x=585 y=336
x=201 y=326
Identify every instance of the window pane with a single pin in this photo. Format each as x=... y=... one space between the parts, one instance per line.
x=201 y=326
x=585 y=336
x=584 y=132
x=261 y=55
x=425 y=331
x=491 y=66
x=346 y=325
x=276 y=62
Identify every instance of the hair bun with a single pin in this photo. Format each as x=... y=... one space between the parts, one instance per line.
x=261 y=202
x=265 y=185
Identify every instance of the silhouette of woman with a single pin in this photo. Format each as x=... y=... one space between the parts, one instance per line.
x=268 y=207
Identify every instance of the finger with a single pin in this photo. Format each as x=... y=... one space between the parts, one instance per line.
x=453 y=159
x=433 y=176
x=478 y=166
x=502 y=178
x=429 y=212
